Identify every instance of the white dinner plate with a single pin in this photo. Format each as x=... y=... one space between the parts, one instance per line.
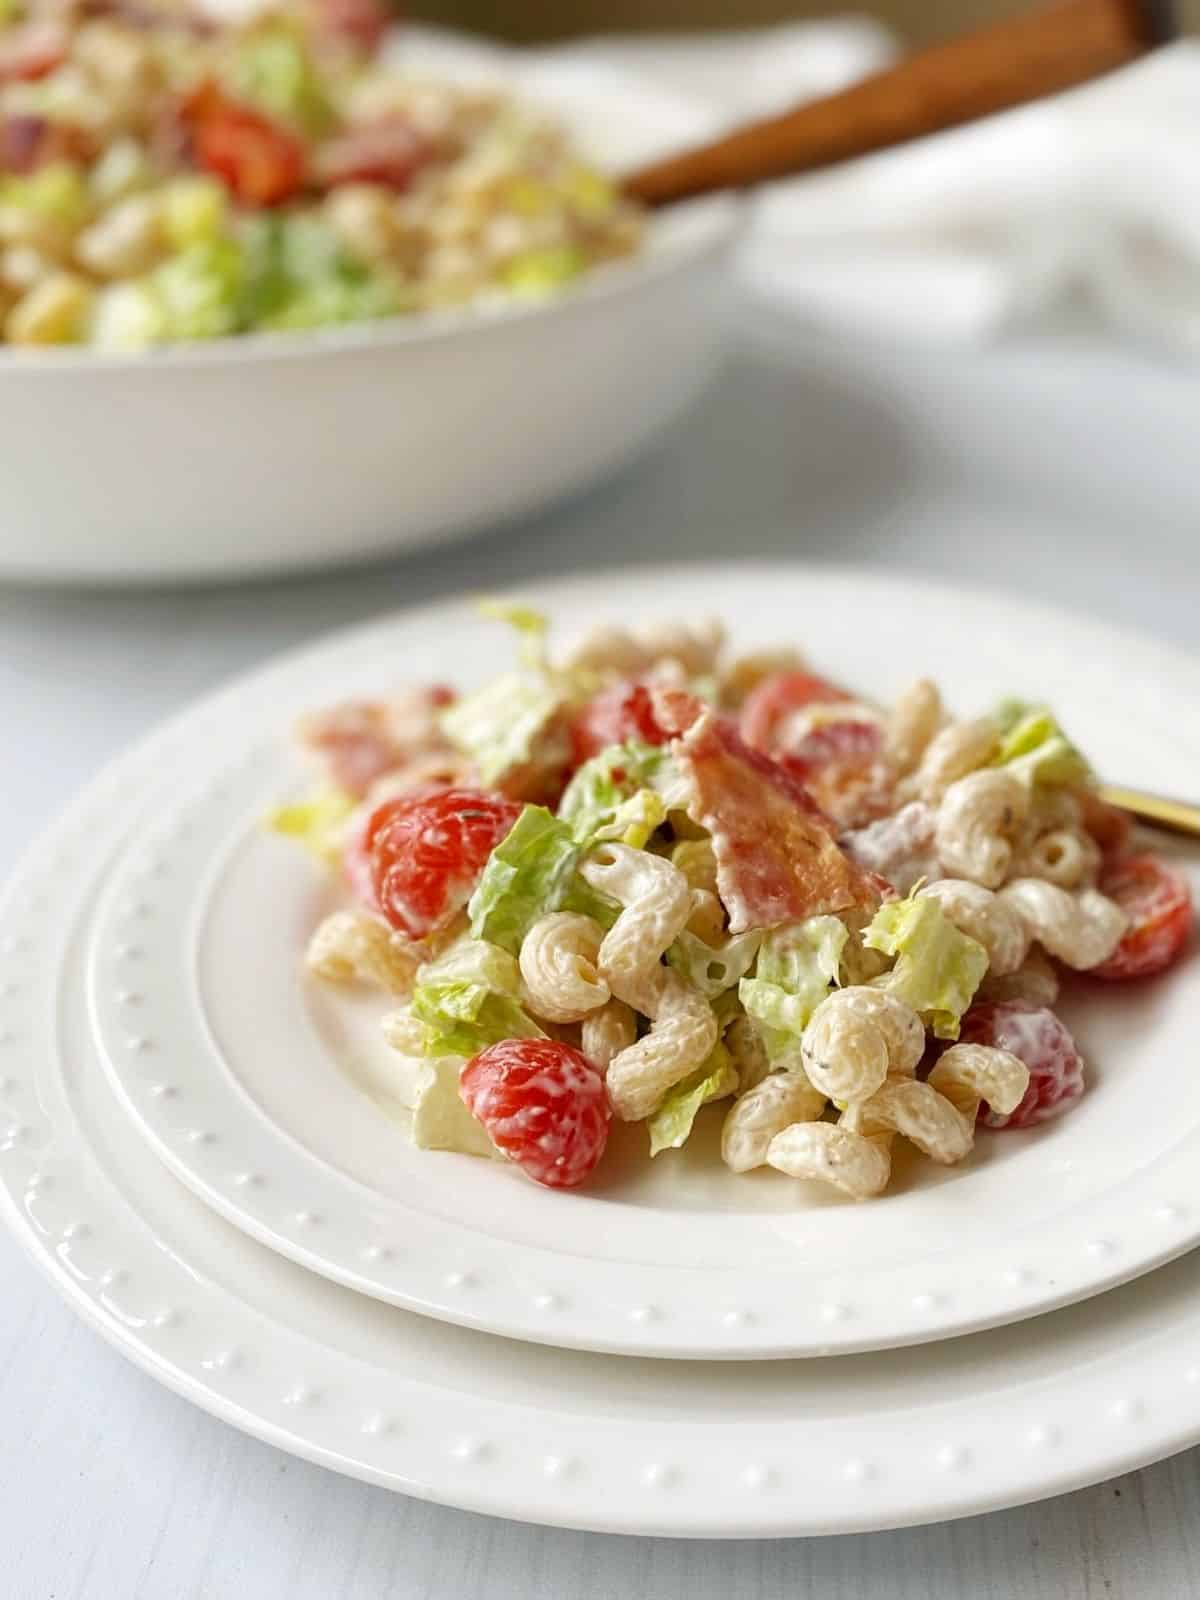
x=751 y=1449
x=275 y=1099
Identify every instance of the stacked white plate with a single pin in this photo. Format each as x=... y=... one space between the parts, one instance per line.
x=205 y=1154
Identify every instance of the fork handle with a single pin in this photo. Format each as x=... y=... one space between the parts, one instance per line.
x=1176 y=816
x=1039 y=53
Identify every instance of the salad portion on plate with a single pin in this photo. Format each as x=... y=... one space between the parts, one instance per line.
x=167 y=177
x=646 y=879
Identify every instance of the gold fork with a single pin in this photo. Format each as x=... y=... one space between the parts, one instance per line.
x=1175 y=816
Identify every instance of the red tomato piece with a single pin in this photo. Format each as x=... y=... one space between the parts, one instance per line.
x=422 y=854
x=389 y=150
x=1158 y=903
x=1108 y=825
x=263 y=163
x=1036 y=1036
x=617 y=714
x=777 y=697
x=543 y=1104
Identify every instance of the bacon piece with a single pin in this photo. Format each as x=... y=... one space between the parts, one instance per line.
x=675 y=710
x=777 y=858
x=361 y=741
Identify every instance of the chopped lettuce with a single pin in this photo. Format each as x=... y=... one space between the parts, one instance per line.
x=588 y=192
x=529 y=873
x=271 y=69
x=199 y=289
x=937 y=970
x=531 y=629
x=615 y=779
x=1034 y=747
x=194 y=210
x=714 y=968
x=499 y=724
x=297 y=275
x=316 y=822
x=440 y=1119
x=671 y=1124
x=128 y=316
x=636 y=819
x=535 y=273
x=467 y=999
x=56 y=192
x=796 y=965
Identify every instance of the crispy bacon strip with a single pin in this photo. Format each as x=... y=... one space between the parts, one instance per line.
x=777 y=858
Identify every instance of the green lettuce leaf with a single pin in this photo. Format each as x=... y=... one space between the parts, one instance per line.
x=796 y=966
x=671 y=1124
x=596 y=797
x=714 y=968
x=937 y=970
x=271 y=69
x=531 y=629
x=498 y=725
x=315 y=823
x=530 y=872
x=636 y=819
x=467 y=999
x=1034 y=747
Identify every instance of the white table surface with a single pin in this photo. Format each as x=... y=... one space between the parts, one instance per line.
x=1056 y=466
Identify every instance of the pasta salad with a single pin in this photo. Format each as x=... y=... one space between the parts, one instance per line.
x=167 y=178
x=649 y=877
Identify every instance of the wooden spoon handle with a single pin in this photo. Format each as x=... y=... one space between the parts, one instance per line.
x=1005 y=65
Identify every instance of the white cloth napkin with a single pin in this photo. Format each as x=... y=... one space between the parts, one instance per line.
x=1093 y=197
x=1090 y=199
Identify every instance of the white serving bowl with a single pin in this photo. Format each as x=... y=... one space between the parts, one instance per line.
x=291 y=450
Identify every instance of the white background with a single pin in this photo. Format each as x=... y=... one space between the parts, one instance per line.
x=1053 y=467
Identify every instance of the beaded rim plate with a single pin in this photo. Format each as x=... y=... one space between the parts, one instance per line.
x=264 y=1092
x=579 y=1440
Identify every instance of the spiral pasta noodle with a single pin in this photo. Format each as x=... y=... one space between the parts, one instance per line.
x=977 y=822
x=607 y=1032
x=752 y=1122
x=938 y=1116
x=1079 y=929
x=353 y=947
x=914 y=721
x=656 y=901
x=558 y=965
x=951 y=754
x=983 y=916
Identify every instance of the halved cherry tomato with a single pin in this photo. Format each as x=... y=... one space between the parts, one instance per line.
x=777 y=697
x=422 y=854
x=263 y=163
x=616 y=715
x=544 y=1105
x=1158 y=903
